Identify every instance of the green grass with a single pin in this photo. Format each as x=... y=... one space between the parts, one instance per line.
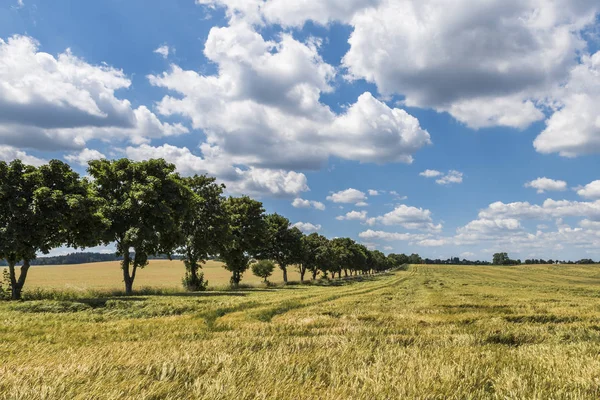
x=433 y=332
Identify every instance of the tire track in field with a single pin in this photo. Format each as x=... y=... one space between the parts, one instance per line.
x=285 y=306
x=277 y=306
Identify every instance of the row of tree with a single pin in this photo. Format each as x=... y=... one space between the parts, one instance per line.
x=146 y=209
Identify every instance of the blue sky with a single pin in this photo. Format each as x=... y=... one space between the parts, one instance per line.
x=286 y=102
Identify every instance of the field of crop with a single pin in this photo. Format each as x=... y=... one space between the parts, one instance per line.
x=108 y=276
x=433 y=332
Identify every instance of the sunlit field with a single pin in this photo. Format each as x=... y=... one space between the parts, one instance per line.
x=433 y=332
x=108 y=276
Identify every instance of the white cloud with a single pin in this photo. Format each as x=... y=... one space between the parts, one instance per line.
x=575 y=128
x=8 y=153
x=391 y=236
x=407 y=217
x=56 y=103
x=467 y=255
x=263 y=108
x=487 y=226
x=84 y=156
x=373 y=192
x=550 y=209
x=301 y=203
x=353 y=216
x=291 y=13
x=251 y=181
x=487 y=63
x=545 y=184
x=362 y=204
x=307 y=227
x=348 y=196
x=430 y=173
x=163 y=51
x=451 y=177
x=448 y=178
x=590 y=191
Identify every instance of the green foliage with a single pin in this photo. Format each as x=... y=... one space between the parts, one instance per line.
x=5 y=286
x=315 y=254
x=194 y=282
x=282 y=243
x=203 y=228
x=244 y=237
x=144 y=203
x=41 y=209
x=503 y=259
x=263 y=269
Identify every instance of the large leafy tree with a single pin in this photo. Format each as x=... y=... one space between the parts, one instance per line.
x=144 y=203
x=341 y=250
x=41 y=209
x=283 y=243
x=245 y=235
x=315 y=255
x=203 y=228
x=379 y=262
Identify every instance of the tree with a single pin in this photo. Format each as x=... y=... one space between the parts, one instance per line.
x=398 y=259
x=203 y=228
x=41 y=209
x=144 y=203
x=359 y=258
x=341 y=255
x=415 y=259
x=379 y=261
x=263 y=269
x=245 y=234
x=283 y=244
x=315 y=254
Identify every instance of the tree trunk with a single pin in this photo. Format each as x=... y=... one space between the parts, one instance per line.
x=127 y=278
x=314 y=274
x=302 y=272
x=235 y=279
x=284 y=269
x=17 y=285
x=345 y=273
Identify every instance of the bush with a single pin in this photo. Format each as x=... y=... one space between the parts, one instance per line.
x=195 y=283
x=5 y=286
x=263 y=269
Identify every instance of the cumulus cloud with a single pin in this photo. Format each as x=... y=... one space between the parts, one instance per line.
x=262 y=107
x=348 y=196
x=451 y=177
x=8 y=153
x=575 y=128
x=302 y=203
x=163 y=51
x=250 y=181
x=549 y=209
x=391 y=236
x=448 y=178
x=84 y=156
x=407 y=217
x=545 y=184
x=291 y=13
x=430 y=173
x=307 y=227
x=486 y=63
x=353 y=216
x=373 y=192
x=590 y=191
x=55 y=103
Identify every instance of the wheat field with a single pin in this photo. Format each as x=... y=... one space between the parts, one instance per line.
x=433 y=332
x=158 y=274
